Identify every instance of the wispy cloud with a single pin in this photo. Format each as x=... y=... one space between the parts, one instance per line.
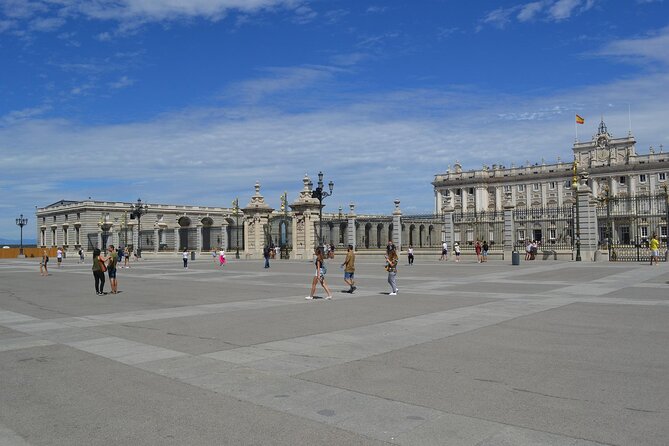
x=27 y=113
x=546 y=10
x=650 y=48
x=123 y=82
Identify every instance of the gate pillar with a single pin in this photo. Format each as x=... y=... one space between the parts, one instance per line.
x=177 y=240
x=156 y=240
x=587 y=215
x=256 y=219
x=224 y=236
x=397 y=226
x=448 y=226
x=509 y=229
x=305 y=216
x=350 y=226
x=199 y=227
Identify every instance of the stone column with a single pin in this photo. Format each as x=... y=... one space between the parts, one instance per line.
x=350 y=227
x=156 y=240
x=509 y=229
x=587 y=214
x=256 y=220
x=198 y=228
x=305 y=215
x=448 y=228
x=397 y=226
x=224 y=235
x=99 y=241
x=135 y=237
x=176 y=240
x=115 y=239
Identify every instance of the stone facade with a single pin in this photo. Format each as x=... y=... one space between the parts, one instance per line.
x=610 y=162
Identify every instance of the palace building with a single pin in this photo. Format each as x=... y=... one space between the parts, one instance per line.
x=613 y=165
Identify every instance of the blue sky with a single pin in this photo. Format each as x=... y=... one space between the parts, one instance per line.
x=193 y=101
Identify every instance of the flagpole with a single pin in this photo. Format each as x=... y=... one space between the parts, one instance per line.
x=576 y=129
x=629 y=116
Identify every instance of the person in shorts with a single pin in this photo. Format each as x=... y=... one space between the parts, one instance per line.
x=112 y=264
x=484 y=253
x=321 y=270
x=59 y=256
x=444 y=251
x=456 y=248
x=654 y=246
x=349 y=269
x=43 y=269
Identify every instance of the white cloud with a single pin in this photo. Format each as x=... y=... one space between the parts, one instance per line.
x=500 y=17
x=530 y=10
x=23 y=114
x=652 y=48
x=46 y=24
x=123 y=82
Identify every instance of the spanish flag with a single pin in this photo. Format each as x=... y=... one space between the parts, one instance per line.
x=579 y=120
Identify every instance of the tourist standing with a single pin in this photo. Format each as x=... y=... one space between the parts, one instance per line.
x=321 y=270
x=410 y=254
x=111 y=268
x=456 y=249
x=477 y=248
x=528 y=251
x=221 y=257
x=654 y=246
x=119 y=253
x=99 y=269
x=444 y=251
x=184 y=255
x=59 y=256
x=349 y=269
x=391 y=267
x=128 y=253
x=81 y=255
x=484 y=253
x=266 y=254
x=214 y=256
x=43 y=269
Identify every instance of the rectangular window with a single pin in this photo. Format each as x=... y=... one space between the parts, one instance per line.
x=552 y=234
x=644 y=231
x=66 y=217
x=642 y=178
x=536 y=187
x=521 y=235
x=567 y=184
x=552 y=185
x=663 y=232
x=507 y=188
x=662 y=176
x=521 y=188
x=471 y=191
x=623 y=180
x=458 y=192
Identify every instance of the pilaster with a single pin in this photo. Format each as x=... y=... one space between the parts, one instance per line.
x=305 y=215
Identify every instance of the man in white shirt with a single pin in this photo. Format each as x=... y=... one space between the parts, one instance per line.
x=59 y=256
x=444 y=251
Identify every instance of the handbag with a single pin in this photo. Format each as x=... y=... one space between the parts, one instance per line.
x=103 y=267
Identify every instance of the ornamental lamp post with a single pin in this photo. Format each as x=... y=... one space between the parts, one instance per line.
x=235 y=212
x=574 y=185
x=283 y=235
x=136 y=211
x=21 y=222
x=320 y=194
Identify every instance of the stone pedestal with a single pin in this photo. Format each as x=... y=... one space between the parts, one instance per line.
x=587 y=219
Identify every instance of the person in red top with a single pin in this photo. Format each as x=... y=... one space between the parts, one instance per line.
x=477 y=247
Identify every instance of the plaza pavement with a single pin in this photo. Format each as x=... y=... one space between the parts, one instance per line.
x=546 y=353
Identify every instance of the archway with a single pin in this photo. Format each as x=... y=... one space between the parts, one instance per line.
x=207 y=223
x=184 y=223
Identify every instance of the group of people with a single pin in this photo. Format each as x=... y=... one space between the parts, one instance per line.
x=321 y=253
x=531 y=249
x=102 y=264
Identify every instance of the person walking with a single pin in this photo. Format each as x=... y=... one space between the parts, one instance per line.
x=81 y=255
x=43 y=269
x=477 y=248
x=444 y=251
x=111 y=269
x=456 y=249
x=349 y=269
x=654 y=246
x=391 y=267
x=410 y=255
x=221 y=257
x=184 y=255
x=119 y=253
x=321 y=271
x=128 y=253
x=484 y=252
x=59 y=256
x=99 y=269
x=266 y=254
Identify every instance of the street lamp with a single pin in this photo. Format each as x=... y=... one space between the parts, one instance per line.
x=320 y=194
x=574 y=185
x=136 y=211
x=283 y=234
x=607 y=200
x=235 y=212
x=21 y=222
